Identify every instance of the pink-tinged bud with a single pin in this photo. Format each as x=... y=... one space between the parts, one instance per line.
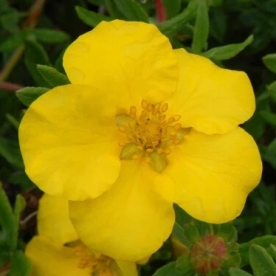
x=208 y=254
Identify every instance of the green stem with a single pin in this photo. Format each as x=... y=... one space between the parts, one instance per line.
x=12 y=62
x=29 y=23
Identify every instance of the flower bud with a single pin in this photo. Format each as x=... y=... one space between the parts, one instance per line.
x=209 y=254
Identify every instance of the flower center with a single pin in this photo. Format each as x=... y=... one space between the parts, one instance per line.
x=150 y=134
x=98 y=264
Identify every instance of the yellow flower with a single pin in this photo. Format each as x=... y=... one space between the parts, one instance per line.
x=141 y=127
x=51 y=257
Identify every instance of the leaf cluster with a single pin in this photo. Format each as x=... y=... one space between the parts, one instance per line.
x=236 y=34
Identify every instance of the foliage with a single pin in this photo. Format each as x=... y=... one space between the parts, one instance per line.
x=236 y=34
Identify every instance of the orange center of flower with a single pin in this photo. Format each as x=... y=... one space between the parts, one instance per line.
x=150 y=134
x=97 y=263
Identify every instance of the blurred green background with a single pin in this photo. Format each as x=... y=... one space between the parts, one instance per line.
x=37 y=32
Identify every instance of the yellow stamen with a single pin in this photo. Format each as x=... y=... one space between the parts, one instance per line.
x=177 y=126
x=177 y=118
x=164 y=107
x=97 y=264
x=144 y=104
x=122 y=143
x=149 y=135
x=122 y=129
x=159 y=151
x=176 y=142
x=162 y=118
x=171 y=120
x=132 y=112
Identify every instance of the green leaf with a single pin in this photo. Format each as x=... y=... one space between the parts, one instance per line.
x=201 y=29
x=273 y=251
x=4 y=5
x=35 y=54
x=34 y=73
x=234 y=271
x=19 y=206
x=29 y=94
x=181 y=220
x=226 y=230
x=228 y=233
x=168 y=269
x=172 y=7
x=191 y=233
x=256 y=125
x=9 y=21
x=13 y=121
x=10 y=43
x=233 y=258
x=5 y=256
x=52 y=76
x=96 y=2
x=216 y=3
x=180 y=267
x=179 y=233
x=261 y=262
x=112 y=9
x=188 y=233
x=263 y=241
x=172 y=26
x=10 y=151
x=270 y=62
x=59 y=62
x=218 y=24
x=269 y=117
x=269 y=153
x=20 y=178
x=20 y=265
x=272 y=90
x=91 y=18
x=228 y=51
x=203 y=228
x=50 y=36
x=7 y=223
x=181 y=217
x=132 y=10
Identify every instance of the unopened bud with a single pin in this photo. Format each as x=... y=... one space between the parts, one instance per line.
x=208 y=254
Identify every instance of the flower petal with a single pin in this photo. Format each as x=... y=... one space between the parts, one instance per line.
x=213 y=174
x=53 y=220
x=127 y=268
x=51 y=259
x=209 y=98
x=133 y=59
x=67 y=138
x=130 y=221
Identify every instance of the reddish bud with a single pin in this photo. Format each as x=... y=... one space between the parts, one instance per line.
x=208 y=254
